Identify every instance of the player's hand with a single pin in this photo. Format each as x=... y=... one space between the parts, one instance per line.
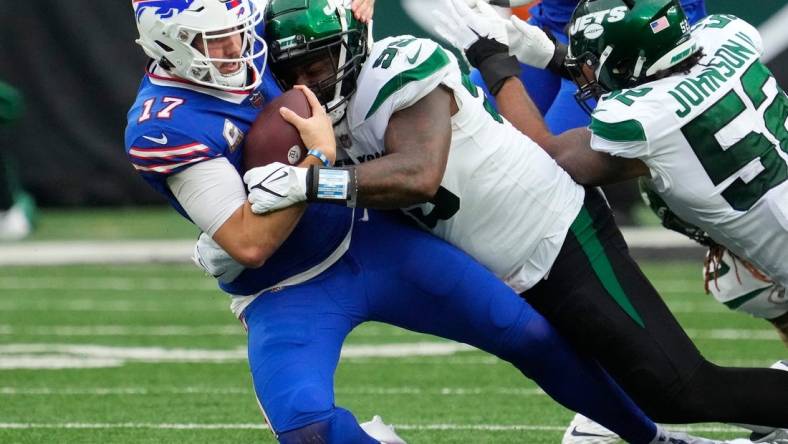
x=209 y=256
x=275 y=186
x=462 y=25
x=528 y=43
x=363 y=9
x=317 y=132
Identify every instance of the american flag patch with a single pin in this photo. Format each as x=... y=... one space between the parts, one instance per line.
x=659 y=24
x=232 y=4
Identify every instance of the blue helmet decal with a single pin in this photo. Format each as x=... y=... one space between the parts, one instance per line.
x=164 y=8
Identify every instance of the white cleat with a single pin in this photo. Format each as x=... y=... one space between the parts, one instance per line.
x=583 y=430
x=381 y=431
x=671 y=437
x=781 y=365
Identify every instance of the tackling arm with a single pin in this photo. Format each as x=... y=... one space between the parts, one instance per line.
x=214 y=197
x=252 y=238
x=417 y=145
x=571 y=149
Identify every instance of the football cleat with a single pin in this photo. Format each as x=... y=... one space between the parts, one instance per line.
x=772 y=436
x=781 y=365
x=17 y=222
x=381 y=431
x=583 y=430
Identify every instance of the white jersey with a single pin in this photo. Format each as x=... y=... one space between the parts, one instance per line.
x=716 y=142
x=503 y=200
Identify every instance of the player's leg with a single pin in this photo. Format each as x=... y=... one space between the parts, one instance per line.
x=600 y=300
x=295 y=336
x=426 y=285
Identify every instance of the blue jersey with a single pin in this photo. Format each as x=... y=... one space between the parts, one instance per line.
x=174 y=124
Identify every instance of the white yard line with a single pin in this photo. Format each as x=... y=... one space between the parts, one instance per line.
x=139 y=284
x=56 y=356
x=180 y=251
x=95 y=252
x=418 y=427
x=348 y=391
x=722 y=334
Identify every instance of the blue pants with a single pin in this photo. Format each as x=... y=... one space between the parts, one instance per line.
x=400 y=275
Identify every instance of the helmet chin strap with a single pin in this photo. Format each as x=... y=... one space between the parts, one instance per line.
x=233 y=80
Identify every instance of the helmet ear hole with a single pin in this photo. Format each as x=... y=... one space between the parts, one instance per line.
x=163 y=46
x=166 y=64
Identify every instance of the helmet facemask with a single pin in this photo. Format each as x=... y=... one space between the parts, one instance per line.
x=583 y=70
x=206 y=69
x=180 y=41
x=320 y=43
x=332 y=55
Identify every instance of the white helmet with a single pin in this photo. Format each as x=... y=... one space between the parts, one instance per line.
x=170 y=28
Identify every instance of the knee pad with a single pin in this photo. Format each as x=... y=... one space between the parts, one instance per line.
x=317 y=433
x=341 y=427
x=527 y=335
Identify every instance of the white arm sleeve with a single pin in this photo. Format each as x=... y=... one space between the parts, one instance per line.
x=209 y=191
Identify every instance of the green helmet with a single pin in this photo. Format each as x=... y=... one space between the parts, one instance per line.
x=299 y=32
x=625 y=42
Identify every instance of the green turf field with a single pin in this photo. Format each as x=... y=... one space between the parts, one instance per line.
x=152 y=354
x=166 y=363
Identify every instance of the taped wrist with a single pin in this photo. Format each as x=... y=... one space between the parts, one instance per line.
x=493 y=61
x=556 y=64
x=331 y=185
x=496 y=69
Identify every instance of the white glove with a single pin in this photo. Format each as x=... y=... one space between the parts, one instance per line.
x=529 y=43
x=209 y=256
x=461 y=25
x=275 y=186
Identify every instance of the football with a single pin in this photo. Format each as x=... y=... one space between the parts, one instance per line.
x=271 y=138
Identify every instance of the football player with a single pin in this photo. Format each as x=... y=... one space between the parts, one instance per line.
x=536 y=40
x=420 y=135
x=730 y=279
x=310 y=274
x=695 y=112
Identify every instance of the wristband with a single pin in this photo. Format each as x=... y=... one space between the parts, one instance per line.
x=496 y=69
x=556 y=64
x=493 y=61
x=332 y=185
x=319 y=155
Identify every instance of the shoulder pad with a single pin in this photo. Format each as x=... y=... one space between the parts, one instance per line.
x=400 y=71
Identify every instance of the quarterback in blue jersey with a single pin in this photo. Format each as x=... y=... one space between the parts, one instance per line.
x=553 y=94
x=302 y=278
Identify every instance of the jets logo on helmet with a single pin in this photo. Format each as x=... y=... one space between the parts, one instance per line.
x=617 y=44
x=595 y=19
